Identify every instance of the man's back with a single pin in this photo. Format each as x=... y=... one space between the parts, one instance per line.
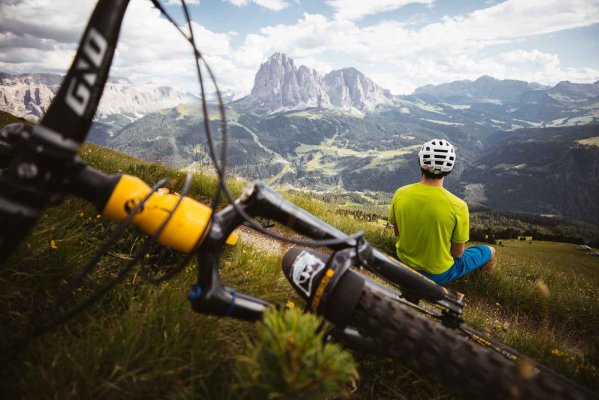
x=428 y=218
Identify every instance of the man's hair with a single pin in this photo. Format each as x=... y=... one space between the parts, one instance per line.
x=430 y=175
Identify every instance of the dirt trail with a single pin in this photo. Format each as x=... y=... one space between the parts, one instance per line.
x=268 y=244
x=265 y=243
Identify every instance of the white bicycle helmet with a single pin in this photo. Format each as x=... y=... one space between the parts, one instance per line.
x=437 y=156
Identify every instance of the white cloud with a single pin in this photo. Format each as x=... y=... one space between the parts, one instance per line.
x=314 y=63
x=274 y=5
x=439 y=52
x=149 y=47
x=524 y=56
x=392 y=81
x=355 y=10
x=39 y=35
x=537 y=66
x=178 y=2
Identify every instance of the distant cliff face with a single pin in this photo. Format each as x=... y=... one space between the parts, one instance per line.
x=349 y=87
x=29 y=95
x=281 y=86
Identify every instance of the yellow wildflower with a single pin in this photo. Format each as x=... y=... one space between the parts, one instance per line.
x=557 y=352
x=290 y=304
x=53 y=245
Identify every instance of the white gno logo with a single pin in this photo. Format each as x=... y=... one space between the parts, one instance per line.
x=79 y=90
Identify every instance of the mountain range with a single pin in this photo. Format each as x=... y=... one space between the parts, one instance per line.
x=29 y=95
x=522 y=146
x=281 y=86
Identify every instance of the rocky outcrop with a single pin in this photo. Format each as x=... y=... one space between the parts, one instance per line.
x=279 y=86
x=349 y=88
x=29 y=95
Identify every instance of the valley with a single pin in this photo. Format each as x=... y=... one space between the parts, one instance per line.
x=521 y=146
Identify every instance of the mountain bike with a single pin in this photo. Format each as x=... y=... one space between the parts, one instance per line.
x=417 y=321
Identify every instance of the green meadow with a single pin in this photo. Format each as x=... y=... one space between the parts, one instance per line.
x=144 y=341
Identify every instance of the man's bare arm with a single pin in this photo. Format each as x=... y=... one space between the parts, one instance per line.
x=457 y=249
x=395 y=230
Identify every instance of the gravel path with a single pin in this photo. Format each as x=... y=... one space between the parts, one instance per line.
x=268 y=244
x=262 y=242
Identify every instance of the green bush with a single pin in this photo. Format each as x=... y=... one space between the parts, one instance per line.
x=288 y=360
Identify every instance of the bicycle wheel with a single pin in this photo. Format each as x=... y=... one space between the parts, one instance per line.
x=467 y=369
x=384 y=325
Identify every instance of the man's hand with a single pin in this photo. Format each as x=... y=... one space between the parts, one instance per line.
x=457 y=249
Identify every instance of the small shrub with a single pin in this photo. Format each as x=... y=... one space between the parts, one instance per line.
x=288 y=360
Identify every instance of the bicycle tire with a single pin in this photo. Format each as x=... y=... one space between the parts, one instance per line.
x=431 y=349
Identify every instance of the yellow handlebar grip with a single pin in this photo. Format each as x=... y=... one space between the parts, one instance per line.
x=185 y=226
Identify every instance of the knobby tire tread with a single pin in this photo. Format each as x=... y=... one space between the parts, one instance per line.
x=468 y=369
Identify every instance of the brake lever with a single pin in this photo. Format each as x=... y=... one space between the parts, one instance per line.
x=208 y=295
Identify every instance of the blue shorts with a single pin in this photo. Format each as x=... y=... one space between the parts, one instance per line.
x=474 y=257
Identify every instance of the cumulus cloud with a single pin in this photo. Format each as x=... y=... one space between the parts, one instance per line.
x=439 y=52
x=355 y=10
x=45 y=19
x=149 y=47
x=274 y=5
x=178 y=2
x=38 y=36
x=537 y=66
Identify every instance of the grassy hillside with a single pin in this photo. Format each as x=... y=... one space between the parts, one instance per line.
x=7 y=118
x=145 y=341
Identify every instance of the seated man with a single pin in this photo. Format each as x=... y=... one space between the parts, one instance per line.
x=432 y=225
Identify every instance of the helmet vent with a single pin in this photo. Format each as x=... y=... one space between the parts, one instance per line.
x=437 y=155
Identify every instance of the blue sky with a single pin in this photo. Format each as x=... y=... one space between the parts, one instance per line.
x=400 y=44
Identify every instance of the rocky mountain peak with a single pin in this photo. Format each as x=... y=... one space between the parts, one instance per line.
x=583 y=90
x=280 y=85
x=29 y=95
x=349 y=88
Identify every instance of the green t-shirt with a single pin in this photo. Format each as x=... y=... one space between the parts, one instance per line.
x=428 y=218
